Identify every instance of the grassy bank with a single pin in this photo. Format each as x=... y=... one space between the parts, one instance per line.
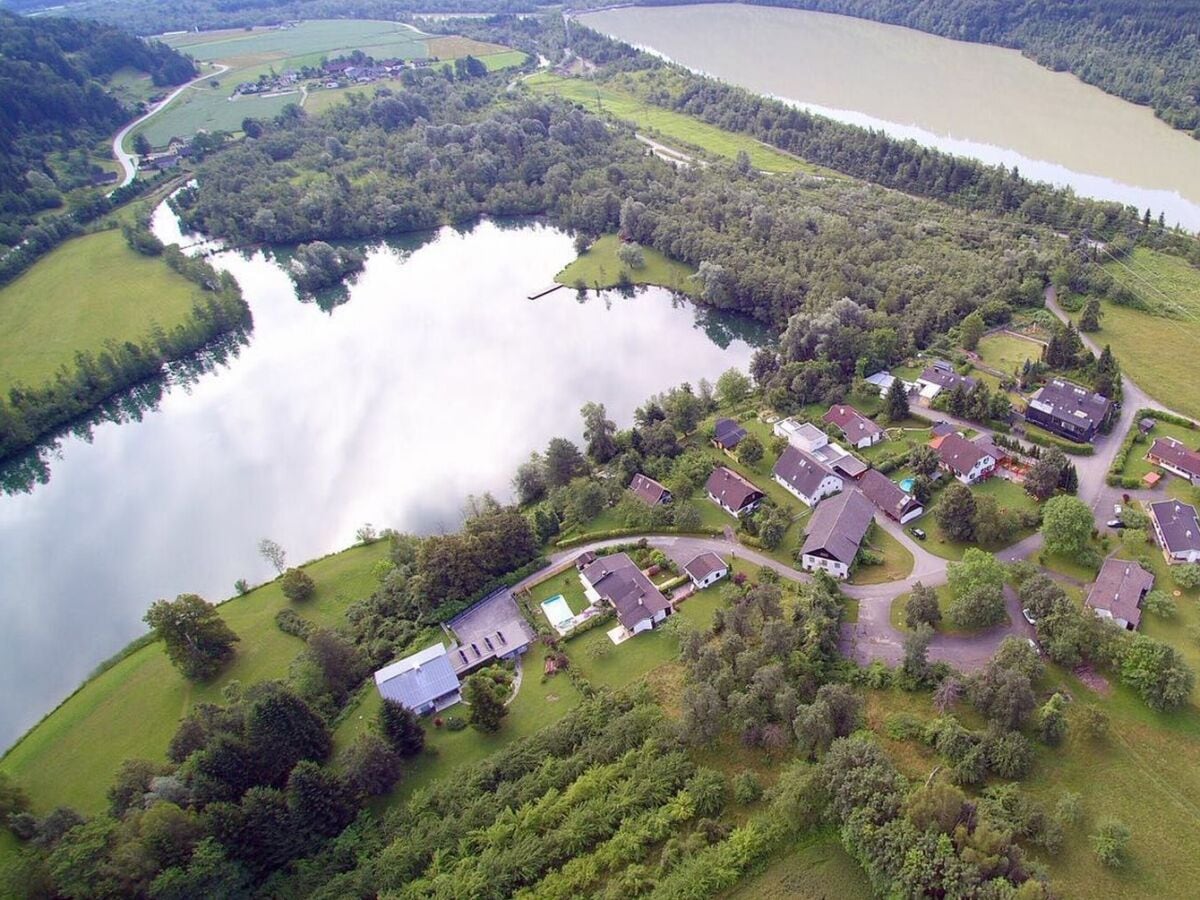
x=132 y=709
x=599 y=267
x=90 y=290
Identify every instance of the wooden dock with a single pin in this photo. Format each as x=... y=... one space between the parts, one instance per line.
x=544 y=291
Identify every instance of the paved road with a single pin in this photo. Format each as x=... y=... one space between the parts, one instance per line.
x=127 y=161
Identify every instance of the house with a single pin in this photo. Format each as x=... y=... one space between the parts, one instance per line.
x=883 y=381
x=727 y=434
x=493 y=629
x=858 y=430
x=804 y=476
x=941 y=377
x=1175 y=457
x=648 y=490
x=706 y=569
x=732 y=492
x=964 y=460
x=617 y=581
x=835 y=534
x=424 y=682
x=1118 y=592
x=889 y=498
x=1068 y=410
x=1177 y=529
x=801 y=435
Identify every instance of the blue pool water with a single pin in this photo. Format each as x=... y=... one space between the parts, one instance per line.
x=906 y=485
x=556 y=610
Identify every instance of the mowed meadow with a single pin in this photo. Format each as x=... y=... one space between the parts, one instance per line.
x=248 y=53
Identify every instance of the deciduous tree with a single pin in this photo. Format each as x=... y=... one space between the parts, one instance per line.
x=1066 y=525
x=198 y=641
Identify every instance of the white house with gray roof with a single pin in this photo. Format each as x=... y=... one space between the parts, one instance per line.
x=424 y=682
x=835 y=533
x=1177 y=529
x=805 y=477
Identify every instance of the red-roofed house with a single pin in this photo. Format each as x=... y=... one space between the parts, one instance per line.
x=967 y=462
x=1175 y=457
x=858 y=430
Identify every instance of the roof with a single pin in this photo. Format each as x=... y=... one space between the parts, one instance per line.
x=839 y=525
x=1177 y=524
x=1119 y=589
x=801 y=470
x=646 y=488
x=882 y=380
x=728 y=433
x=704 y=565
x=418 y=679
x=988 y=445
x=730 y=488
x=491 y=628
x=943 y=375
x=887 y=496
x=805 y=431
x=941 y=429
x=848 y=465
x=957 y=453
x=1068 y=402
x=618 y=580
x=853 y=424
x=1176 y=453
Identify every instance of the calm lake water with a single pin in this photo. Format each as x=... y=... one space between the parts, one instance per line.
x=970 y=99
x=433 y=381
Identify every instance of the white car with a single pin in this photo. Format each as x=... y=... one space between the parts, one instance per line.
x=1028 y=616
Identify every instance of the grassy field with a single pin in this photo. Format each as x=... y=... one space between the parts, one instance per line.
x=89 y=290
x=820 y=868
x=375 y=38
x=897 y=559
x=598 y=267
x=675 y=129
x=1007 y=353
x=132 y=709
x=1149 y=343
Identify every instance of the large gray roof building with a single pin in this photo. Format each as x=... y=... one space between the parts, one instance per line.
x=836 y=532
x=424 y=682
x=1068 y=410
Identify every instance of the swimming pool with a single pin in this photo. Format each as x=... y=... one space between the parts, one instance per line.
x=557 y=611
x=906 y=485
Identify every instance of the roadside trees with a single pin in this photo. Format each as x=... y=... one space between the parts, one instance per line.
x=1066 y=525
x=198 y=641
x=921 y=608
x=955 y=512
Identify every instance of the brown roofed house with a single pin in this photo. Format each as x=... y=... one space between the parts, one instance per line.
x=858 y=430
x=964 y=460
x=618 y=581
x=888 y=497
x=835 y=534
x=648 y=490
x=1175 y=457
x=706 y=569
x=1118 y=592
x=732 y=492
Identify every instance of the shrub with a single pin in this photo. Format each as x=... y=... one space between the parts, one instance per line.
x=1093 y=721
x=297 y=585
x=455 y=723
x=1111 y=843
x=1187 y=576
x=291 y=622
x=1009 y=754
x=746 y=788
x=1069 y=809
x=904 y=727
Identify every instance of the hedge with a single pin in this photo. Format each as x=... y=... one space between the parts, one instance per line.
x=588 y=538
x=1114 y=478
x=1045 y=439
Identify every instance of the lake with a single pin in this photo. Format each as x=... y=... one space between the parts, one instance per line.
x=973 y=100
x=433 y=381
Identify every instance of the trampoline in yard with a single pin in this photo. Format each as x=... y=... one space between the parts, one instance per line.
x=558 y=613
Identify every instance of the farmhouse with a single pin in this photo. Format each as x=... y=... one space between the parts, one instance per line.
x=941 y=377
x=1177 y=529
x=1068 y=410
x=1118 y=592
x=805 y=477
x=889 y=498
x=493 y=629
x=727 y=434
x=835 y=534
x=618 y=581
x=964 y=460
x=1175 y=457
x=732 y=492
x=858 y=430
x=424 y=682
x=706 y=569
x=648 y=490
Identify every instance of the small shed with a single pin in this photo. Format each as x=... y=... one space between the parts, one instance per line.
x=1146 y=425
x=1152 y=478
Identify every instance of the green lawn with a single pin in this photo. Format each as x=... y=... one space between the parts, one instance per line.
x=1007 y=353
x=598 y=267
x=897 y=559
x=89 y=290
x=132 y=709
x=566 y=583
x=945 y=596
x=1149 y=343
x=676 y=129
x=1137 y=464
x=375 y=38
x=817 y=867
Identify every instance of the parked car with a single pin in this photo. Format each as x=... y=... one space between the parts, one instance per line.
x=1117 y=510
x=1115 y=523
x=1034 y=645
x=918 y=533
x=1028 y=616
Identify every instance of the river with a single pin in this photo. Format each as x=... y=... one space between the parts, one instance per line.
x=433 y=381
x=969 y=99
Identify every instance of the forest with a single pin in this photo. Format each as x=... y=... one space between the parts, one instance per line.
x=55 y=101
x=1145 y=51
